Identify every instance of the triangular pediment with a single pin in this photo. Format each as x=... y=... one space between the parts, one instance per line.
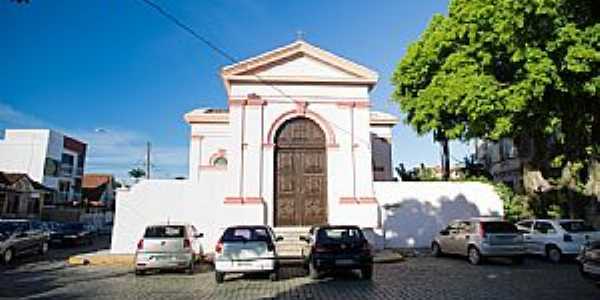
x=299 y=61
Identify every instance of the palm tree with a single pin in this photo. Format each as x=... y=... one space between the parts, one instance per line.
x=137 y=173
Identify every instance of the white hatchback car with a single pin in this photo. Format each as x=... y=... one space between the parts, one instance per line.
x=556 y=238
x=246 y=249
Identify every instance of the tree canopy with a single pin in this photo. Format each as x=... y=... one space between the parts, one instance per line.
x=505 y=68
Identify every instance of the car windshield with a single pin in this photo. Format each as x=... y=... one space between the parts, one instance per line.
x=499 y=227
x=9 y=227
x=576 y=226
x=164 y=232
x=246 y=234
x=340 y=234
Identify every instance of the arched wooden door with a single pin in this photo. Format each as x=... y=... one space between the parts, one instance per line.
x=300 y=174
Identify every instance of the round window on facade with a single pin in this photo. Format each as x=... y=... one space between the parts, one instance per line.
x=220 y=162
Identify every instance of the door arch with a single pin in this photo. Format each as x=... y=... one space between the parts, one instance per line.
x=300 y=174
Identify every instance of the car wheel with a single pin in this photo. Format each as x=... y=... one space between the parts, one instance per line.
x=313 y=273
x=367 y=273
x=219 y=277
x=436 y=251
x=554 y=254
x=43 y=248
x=8 y=256
x=474 y=256
x=139 y=272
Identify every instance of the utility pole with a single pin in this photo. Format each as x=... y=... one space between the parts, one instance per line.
x=148 y=160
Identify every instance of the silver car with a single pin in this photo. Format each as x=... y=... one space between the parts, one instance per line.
x=171 y=246
x=20 y=237
x=479 y=238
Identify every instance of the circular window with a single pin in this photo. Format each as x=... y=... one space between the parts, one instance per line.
x=220 y=162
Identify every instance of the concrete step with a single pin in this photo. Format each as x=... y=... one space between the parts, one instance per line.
x=291 y=246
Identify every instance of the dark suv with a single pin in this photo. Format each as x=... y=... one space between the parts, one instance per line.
x=338 y=248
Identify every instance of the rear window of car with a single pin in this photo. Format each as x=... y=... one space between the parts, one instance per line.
x=499 y=227
x=164 y=232
x=576 y=226
x=246 y=234
x=339 y=235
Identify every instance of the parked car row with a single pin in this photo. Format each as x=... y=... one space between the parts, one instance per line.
x=251 y=249
x=19 y=237
x=479 y=238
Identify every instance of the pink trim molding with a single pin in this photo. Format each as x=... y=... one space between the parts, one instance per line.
x=242 y=200
x=367 y=200
x=357 y=104
x=358 y=200
x=348 y=200
x=212 y=168
x=329 y=133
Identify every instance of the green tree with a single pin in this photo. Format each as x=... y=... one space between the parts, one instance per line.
x=526 y=69
x=137 y=173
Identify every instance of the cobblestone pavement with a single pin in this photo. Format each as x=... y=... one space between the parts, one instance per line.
x=416 y=278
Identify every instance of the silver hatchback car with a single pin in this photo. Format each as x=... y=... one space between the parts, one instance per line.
x=479 y=238
x=172 y=246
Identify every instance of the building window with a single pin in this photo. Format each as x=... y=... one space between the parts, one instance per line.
x=51 y=167
x=13 y=204
x=220 y=162
x=2 y=202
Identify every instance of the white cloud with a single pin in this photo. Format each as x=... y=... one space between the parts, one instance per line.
x=111 y=150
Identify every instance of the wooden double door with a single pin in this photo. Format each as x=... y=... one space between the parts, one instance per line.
x=300 y=174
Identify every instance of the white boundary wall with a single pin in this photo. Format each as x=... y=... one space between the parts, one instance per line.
x=417 y=211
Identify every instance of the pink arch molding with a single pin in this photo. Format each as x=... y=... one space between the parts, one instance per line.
x=329 y=134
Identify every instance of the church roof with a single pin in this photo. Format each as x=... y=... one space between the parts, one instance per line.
x=247 y=70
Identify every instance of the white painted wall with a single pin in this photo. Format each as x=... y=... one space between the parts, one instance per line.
x=158 y=201
x=424 y=208
x=24 y=151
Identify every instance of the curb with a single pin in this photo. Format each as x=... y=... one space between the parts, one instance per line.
x=108 y=260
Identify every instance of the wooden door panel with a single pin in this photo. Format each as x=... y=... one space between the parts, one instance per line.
x=300 y=175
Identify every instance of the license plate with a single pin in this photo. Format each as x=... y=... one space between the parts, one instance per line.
x=164 y=257
x=591 y=269
x=244 y=264
x=344 y=262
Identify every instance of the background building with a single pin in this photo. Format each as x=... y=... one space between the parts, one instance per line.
x=48 y=157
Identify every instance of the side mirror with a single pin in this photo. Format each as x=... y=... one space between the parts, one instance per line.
x=199 y=235
x=445 y=232
x=278 y=238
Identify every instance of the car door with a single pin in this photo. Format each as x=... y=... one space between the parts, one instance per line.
x=462 y=236
x=21 y=236
x=543 y=233
x=525 y=227
x=447 y=236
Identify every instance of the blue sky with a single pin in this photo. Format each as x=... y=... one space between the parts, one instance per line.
x=77 y=66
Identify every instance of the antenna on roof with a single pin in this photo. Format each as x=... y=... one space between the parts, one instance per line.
x=300 y=35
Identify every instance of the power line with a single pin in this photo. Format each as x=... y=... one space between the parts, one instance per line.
x=229 y=57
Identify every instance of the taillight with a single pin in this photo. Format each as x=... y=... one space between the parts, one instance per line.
x=140 y=244
x=567 y=238
x=219 y=247
x=187 y=243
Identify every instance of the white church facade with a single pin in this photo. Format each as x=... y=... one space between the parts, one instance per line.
x=298 y=145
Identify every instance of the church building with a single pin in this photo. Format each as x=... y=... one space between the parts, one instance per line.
x=298 y=145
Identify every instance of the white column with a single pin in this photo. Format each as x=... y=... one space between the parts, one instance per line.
x=195 y=157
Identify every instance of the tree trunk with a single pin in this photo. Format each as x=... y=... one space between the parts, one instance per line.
x=445 y=159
